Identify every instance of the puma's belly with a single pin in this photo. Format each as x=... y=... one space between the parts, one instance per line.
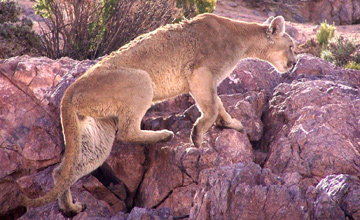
x=169 y=85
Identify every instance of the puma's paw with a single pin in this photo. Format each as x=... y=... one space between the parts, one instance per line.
x=234 y=124
x=73 y=210
x=196 y=138
x=166 y=135
x=237 y=125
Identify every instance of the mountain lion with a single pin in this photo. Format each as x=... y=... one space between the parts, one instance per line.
x=111 y=98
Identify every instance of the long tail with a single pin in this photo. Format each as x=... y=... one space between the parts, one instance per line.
x=72 y=136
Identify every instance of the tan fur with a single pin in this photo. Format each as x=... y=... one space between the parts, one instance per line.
x=193 y=56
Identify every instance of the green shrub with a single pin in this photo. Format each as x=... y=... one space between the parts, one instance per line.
x=205 y=6
x=327 y=55
x=9 y=11
x=341 y=52
x=16 y=36
x=352 y=65
x=325 y=34
x=191 y=8
x=86 y=29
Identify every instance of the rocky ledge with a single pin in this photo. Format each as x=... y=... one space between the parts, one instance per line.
x=299 y=157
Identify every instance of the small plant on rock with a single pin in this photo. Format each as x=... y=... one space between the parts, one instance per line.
x=352 y=65
x=342 y=51
x=325 y=34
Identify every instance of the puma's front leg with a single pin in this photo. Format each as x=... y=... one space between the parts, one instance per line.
x=204 y=91
x=225 y=120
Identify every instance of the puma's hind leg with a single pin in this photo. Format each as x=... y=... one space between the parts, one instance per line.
x=129 y=127
x=66 y=204
x=134 y=108
x=225 y=120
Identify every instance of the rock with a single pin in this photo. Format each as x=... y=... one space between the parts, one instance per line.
x=37 y=75
x=180 y=200
x=343 y=12
x=338 y=197
x=227 y=146
x=247 y=191
x=307 y=120
x=30 y=132
x=10 y=162
x=96 y=209
x=301 y=127
x=174 y=166
x=127 y=161
x=240 y=192
x=311 y=67
x=9 y=207
x=147 y=214
x=37 y=151
x=99 y=200
x=37 y=184
x=247 y=110
x=101 y=193
x=249 y=76
x=24 y=119
x=163 y=175
x=232 y=4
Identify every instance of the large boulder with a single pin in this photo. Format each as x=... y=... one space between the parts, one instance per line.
x=247 y=191
x=301 y=128
x=30 y=133
x=313 y=123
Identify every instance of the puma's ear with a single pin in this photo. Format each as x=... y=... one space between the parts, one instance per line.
x=268 y=21
x=277 y=26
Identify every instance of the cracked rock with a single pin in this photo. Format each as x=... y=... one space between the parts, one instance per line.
x=313 y=127
x=238 y=192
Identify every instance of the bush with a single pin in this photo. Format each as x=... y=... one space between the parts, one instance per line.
x=327 y=55
x=352 y=65
x=325 y=34
x=205 y=6
x=341 y=52
x=86 y=29
x=191 y=8
x=16 y=36
x=9 y=11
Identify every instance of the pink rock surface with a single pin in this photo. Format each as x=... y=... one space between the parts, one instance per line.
x=300 y=127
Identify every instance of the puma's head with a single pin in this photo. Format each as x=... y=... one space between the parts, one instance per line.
x=278 y=49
